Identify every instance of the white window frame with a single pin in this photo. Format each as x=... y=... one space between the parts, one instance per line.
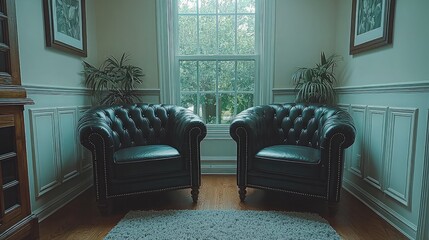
x=169 y=84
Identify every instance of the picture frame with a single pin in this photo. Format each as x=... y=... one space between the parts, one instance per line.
x=371 y=24
x=65 y=25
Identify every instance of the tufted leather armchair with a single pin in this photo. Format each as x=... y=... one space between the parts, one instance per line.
x=142 y=148
x=293 y=148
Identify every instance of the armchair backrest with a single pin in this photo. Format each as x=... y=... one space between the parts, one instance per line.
x=136 y=124
x=292 y=124
x=300 y=124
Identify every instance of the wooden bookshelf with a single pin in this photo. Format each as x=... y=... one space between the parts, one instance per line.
x=16 y=219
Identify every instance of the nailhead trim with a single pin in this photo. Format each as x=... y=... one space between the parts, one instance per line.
x=288 y=191
x=239 y=151
x=96 y=166
x=337 y=193
x=190 y=153
x=148 y=191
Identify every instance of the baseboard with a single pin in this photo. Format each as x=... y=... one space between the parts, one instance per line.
x=60 y=201
x=394 y=219
x=210 y=166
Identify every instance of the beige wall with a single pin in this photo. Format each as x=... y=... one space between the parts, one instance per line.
x=129 y=26
x=304 y=28
x=47 y=66
x=406 y=60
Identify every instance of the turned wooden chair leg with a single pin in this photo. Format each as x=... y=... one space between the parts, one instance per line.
x=194 y=193
x=242 y=192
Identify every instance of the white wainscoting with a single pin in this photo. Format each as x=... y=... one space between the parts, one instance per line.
x=386 y=166
x=47 y=173
x=60 y=167
x=54 y=145
x=387 y=158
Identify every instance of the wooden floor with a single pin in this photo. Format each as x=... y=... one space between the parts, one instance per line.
x=81 y=220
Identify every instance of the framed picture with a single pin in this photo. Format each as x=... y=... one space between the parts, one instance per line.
x=65 y=25
x=372 y=24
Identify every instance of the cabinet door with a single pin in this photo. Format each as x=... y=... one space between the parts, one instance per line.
x=9 y=61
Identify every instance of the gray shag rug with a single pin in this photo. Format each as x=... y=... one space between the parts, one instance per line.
x=221 y=224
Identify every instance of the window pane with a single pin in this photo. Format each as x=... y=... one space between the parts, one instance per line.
x=227 y=105
x=226 y=75
x=246 y=6
x=213 y=83
x=246 y=34
x=226 y=6
x=188 y=35
x=207 y=75
x=244 y=101
x=187 y=6
x=208 y=108
x=246 y=75
x=207 y=6
x=208 y=41
x=189 y=101
x=188 y=76
x=226 y=34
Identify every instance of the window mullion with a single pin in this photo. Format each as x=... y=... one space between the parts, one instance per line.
x=240 y=83
x=235 y=28
x=198 y=28
x=198 y=89
x=235 y=88
x=217 y=66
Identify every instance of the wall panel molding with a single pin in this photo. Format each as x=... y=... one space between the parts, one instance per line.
x=373 y=88
x=423 y=230
x=58 y=156
x=44 y=149
x=386 y=88
x=375 y=141
x=57 y=90
x=400 y=154
x=401 y=193
x=358 y=113
x=67 y=122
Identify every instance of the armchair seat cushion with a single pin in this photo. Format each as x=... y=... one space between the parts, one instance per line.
x=143 y=161
x=289 y=160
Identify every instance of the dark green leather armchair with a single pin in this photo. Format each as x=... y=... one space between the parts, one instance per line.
x=294 y=148
x=142 y=148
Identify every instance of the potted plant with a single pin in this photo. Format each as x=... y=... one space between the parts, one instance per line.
x=114 y=81
x=315 y=85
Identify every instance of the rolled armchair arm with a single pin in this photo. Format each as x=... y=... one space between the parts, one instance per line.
x=255 y=124
x=252 y=130
x=340 y=123
x=187 y=130
x=90 y=125
x=337 y=133
x=96 y=135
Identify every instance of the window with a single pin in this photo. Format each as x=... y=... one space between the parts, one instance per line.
x=215 y=51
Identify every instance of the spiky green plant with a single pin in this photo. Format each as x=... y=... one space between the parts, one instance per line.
x=114 y=81
x=315 y=85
